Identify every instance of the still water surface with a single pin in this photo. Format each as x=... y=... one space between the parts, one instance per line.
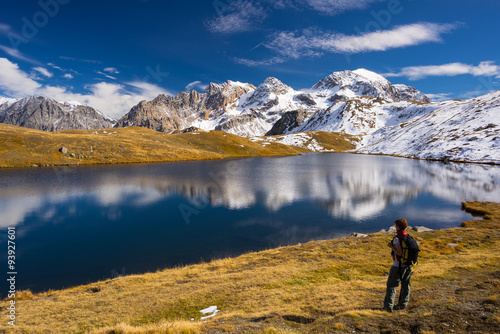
x=78 y=225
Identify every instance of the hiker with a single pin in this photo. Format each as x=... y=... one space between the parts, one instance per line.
x=399 y=273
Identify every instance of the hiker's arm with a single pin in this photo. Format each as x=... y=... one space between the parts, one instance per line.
x=396 y=248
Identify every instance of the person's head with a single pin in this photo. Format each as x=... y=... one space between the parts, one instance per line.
x=401 y=224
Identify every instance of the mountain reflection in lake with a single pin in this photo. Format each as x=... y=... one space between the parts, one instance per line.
x=77 y=225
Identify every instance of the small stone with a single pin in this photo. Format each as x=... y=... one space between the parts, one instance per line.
x=452 y=245
x=422 y=229
x=359 y=235
x=63 y=150
x=73 y=155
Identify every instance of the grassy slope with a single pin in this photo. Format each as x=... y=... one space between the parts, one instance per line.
x=323 y=286
x=26 y=147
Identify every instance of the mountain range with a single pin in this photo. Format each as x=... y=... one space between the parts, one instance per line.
x=389 y=118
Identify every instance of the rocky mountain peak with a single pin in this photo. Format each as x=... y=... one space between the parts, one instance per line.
x=362 y=82
x=38 y=112
x=227 y=86
x=273 y=85
x=268 y=93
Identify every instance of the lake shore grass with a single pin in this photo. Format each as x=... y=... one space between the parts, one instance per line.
x=331 y=286
x=23 y=147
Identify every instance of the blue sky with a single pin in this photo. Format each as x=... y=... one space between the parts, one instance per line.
x=112 y=54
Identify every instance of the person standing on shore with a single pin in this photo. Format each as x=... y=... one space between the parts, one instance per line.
x=399 y=273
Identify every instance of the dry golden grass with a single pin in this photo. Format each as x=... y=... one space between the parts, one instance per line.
x=164 y=327
x=20 y=147
x=322 y=286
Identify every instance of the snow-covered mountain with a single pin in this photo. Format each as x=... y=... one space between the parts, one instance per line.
x=45 y=114
x=456 y=130
x=356 y=116
x=246 y=110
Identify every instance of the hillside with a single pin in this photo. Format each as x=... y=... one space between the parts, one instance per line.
x=322 y=286
x=26 y=147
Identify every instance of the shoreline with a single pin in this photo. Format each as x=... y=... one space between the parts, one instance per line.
x=24 y=147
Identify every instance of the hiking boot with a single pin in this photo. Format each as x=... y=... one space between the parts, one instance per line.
x=399 y=307
x=387 y=309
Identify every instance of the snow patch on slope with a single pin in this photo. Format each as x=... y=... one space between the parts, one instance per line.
x=304 y=140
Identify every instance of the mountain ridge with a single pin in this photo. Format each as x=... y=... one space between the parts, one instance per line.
x=248 y=111
x=41 y=113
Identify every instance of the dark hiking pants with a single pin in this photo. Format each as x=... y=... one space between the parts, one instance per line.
x=398 y=276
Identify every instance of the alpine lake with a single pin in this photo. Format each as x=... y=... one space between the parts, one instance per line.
x=76 y=225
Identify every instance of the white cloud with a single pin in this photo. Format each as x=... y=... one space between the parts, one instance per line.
x=68 y=76
x=43 y=71
x=312 y=42
x=112 y=70
x=264 y=62
x=240 y=17
x=106 y=75
x=485 y=68
x=17 y=54
x=403 y=36
x=315 y=42
x=147 y=90
x=112 y=99
x=196 y=84
x=55 y=66
x=14 y=81
x=334 y=7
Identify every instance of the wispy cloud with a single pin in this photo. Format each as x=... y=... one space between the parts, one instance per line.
x=43 y=71
x=113 y=99
x=88 y=61
x=18 y=55
x=335 y=7
x=68 y=76
x=316 y=42
x=55 y=66
x=106 y=75
x=240 y=16
x=485 y=68
x=245 y=15
x=196 y=84
x=112 y=70
x=265 y=62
